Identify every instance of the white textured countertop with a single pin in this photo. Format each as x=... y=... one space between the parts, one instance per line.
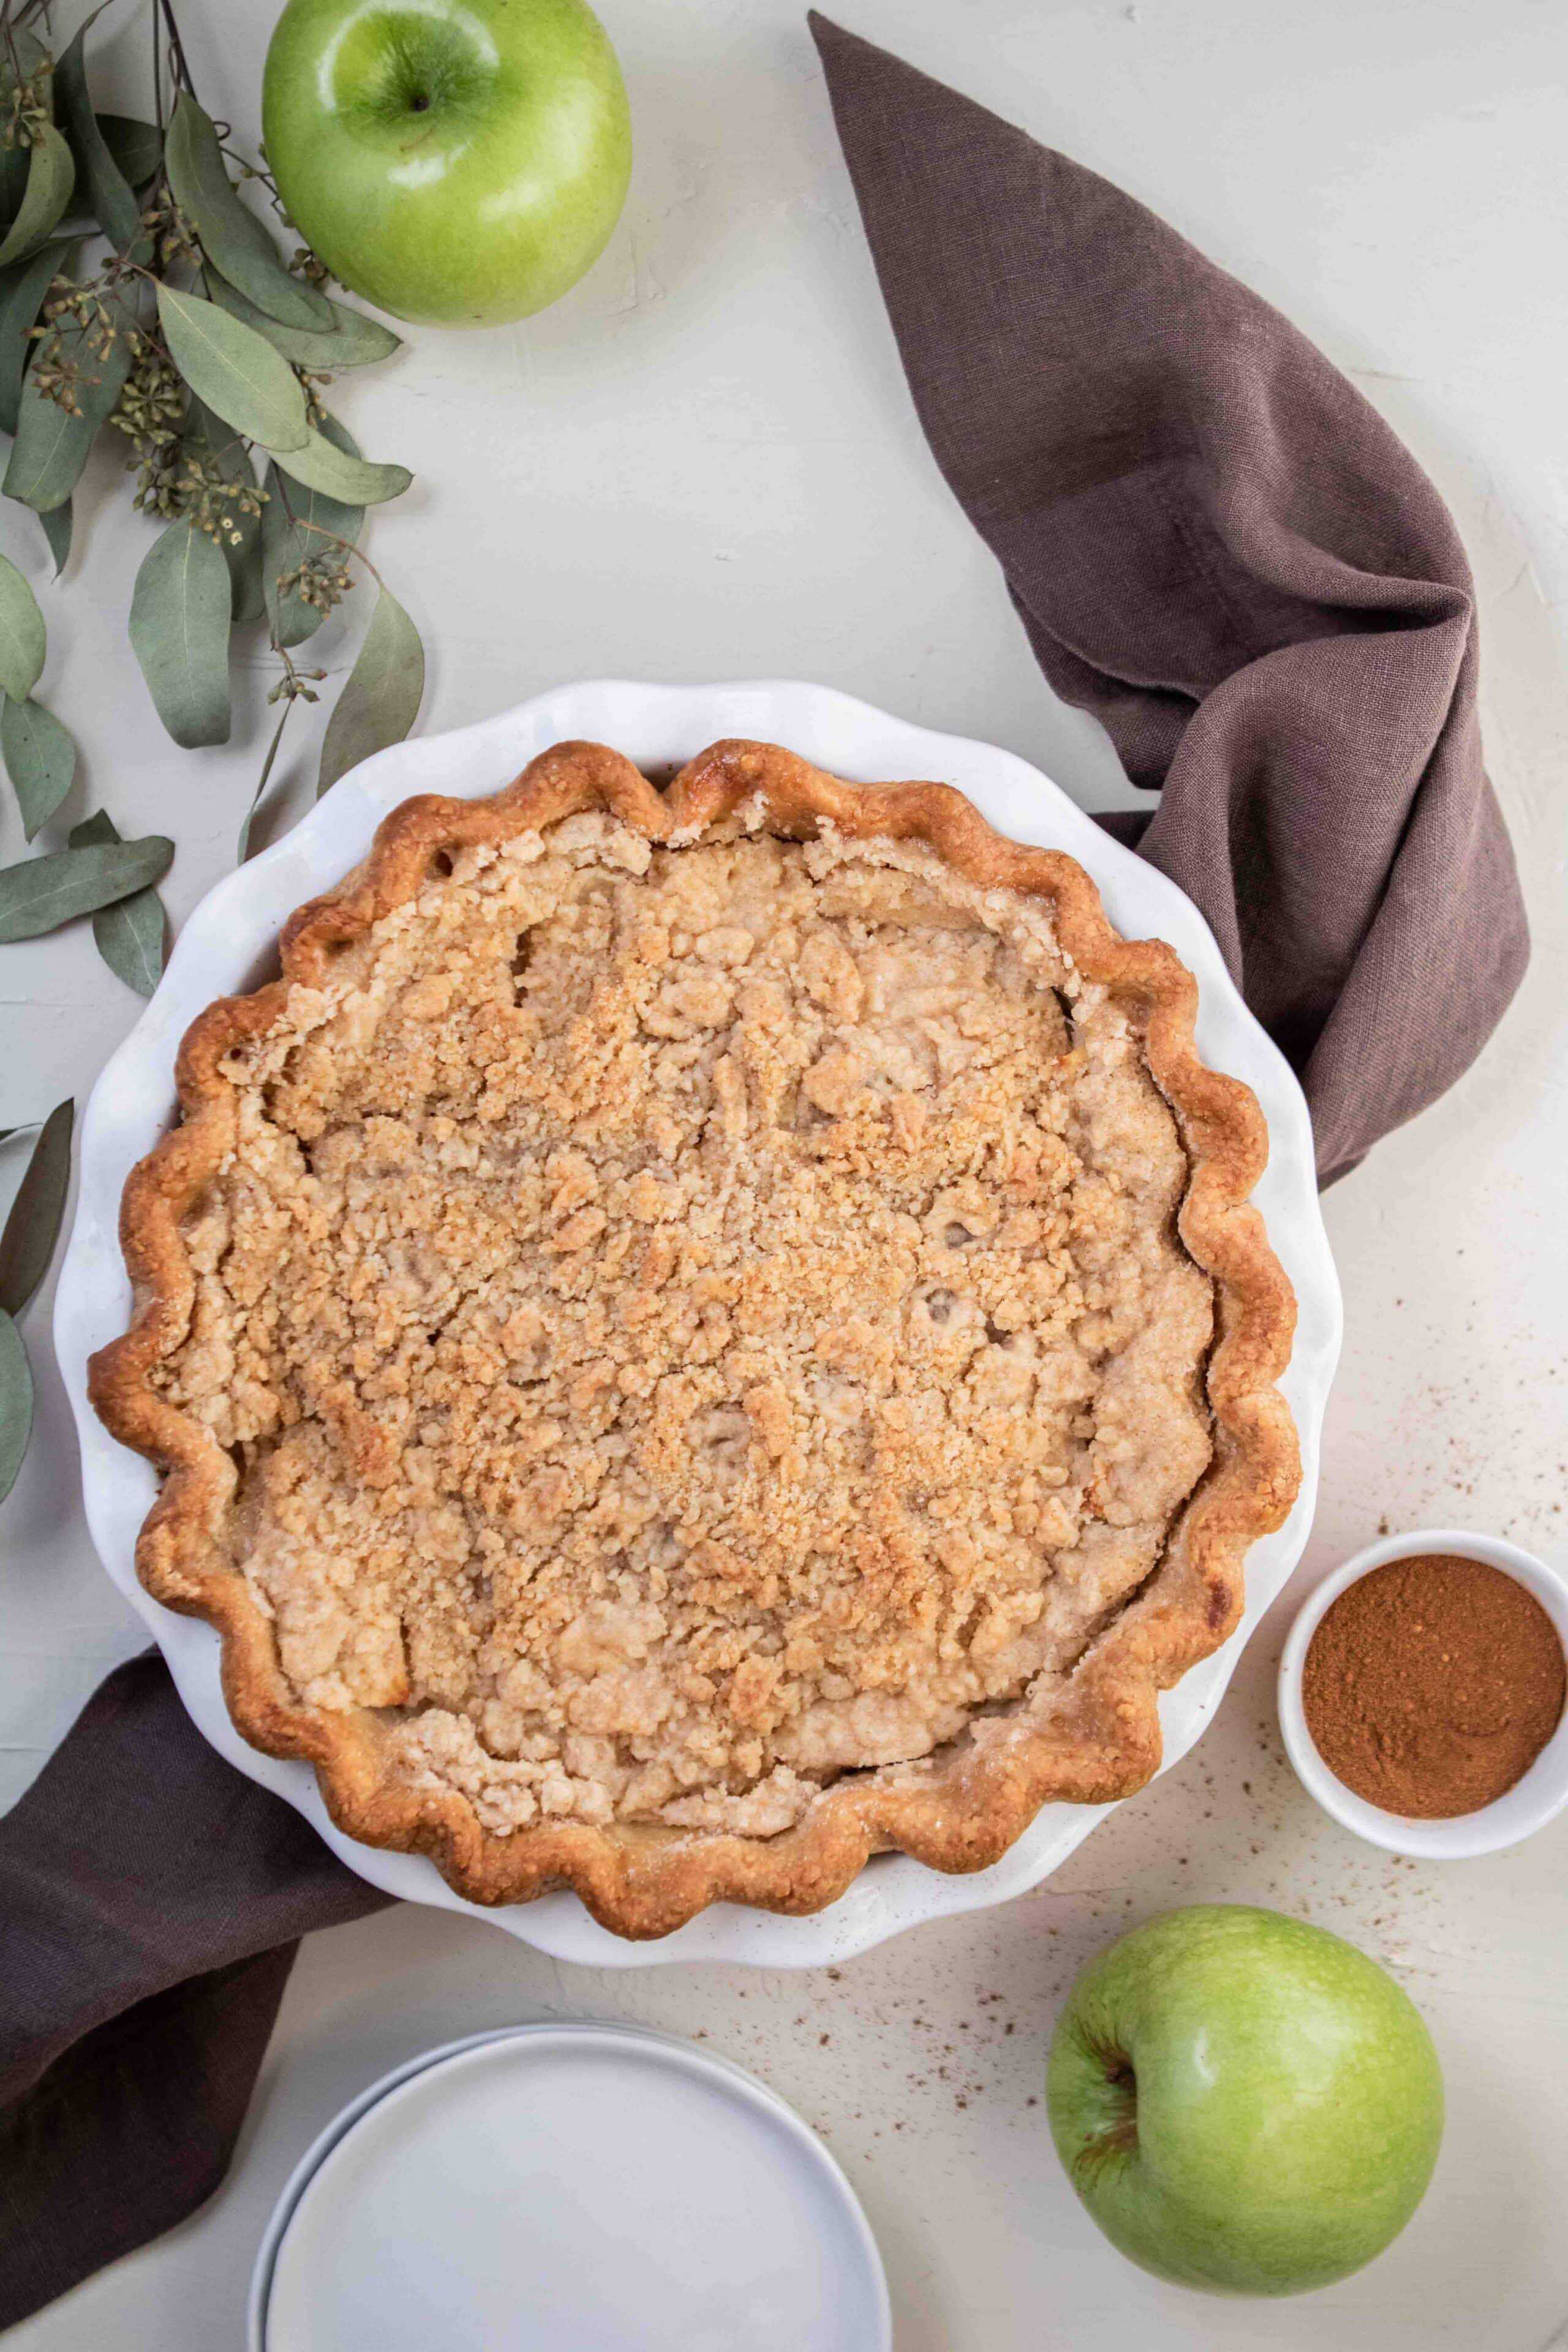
x=703 y=464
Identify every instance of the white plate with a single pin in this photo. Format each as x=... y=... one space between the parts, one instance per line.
x=228 y=944
x=560 y=2187
x=295 y=2186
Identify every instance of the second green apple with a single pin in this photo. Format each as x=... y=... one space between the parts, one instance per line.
x=458 y=162
x=1244 y=2103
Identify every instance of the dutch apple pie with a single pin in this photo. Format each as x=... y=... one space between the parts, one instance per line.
x=698 y=1336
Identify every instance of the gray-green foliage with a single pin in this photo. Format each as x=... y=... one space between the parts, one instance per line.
x=22 y=59
x=232 y=237
x=351 y=340
x=208 y=437
x=42 y=893
x=22 y=290
x=26 y=1245
x=357 y=480
x=179 y=609
x=298 y=526
x=53 y=440
x=15 y=1402
x=381 y=702
x=33 y=1225
x=187 y=326
x=171 y=314
x=41 y=760
x=135 y=148
x=236 y=370
x=57 y=524
x=130 y=933
x=21 y=634
x=109 y=198
x=51 y=175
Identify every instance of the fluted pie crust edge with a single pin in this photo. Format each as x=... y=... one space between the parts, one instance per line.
x=1096 y=1738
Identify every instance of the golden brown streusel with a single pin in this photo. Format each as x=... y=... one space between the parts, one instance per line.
x=693 y=1321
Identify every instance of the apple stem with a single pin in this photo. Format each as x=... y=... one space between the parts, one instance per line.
x=1119 y=2131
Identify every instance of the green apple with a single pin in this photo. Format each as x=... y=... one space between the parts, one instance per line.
x=458 y=163
x=1243 y=2101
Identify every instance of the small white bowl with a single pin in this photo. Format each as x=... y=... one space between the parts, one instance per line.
x=1519 y=1812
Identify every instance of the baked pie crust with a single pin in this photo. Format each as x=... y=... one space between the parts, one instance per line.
x=699 y=1336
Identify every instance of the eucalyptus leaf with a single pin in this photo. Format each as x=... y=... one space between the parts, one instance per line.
x=22 y=57
x=110 y=197
x=33 y=1227
x=296 y=524
x=41 y=760
x=181 y=609
x=13 y=162
x=15 y=1403
x=381 y=700
x=52 y=445
x=56 y=525
x=235 y=370
x=245 y=573
x=44 y=892
x=51 y=175
x=22 y=293
x=355 y=341
x=136 y=148
x=130 y=935
x=22 y=639
x=206 y=433
x=233 y=239
x=321 y=465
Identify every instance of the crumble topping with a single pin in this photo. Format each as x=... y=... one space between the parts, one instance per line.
x=689 y=1322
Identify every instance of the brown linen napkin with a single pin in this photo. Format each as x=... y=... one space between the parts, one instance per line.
x=151 y=1903
x=1222 y=551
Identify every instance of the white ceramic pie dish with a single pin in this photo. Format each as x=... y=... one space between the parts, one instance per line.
x=228 y=945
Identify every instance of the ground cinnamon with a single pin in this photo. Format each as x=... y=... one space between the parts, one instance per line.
x=1432 y=1684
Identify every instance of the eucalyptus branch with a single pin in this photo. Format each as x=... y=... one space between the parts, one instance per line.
x=158 y=114
x=347 y=550
x=243 y=164
x=291 y=687
x=242 y=847
x=346 y=546
x=205 y=347
x=177 y=59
